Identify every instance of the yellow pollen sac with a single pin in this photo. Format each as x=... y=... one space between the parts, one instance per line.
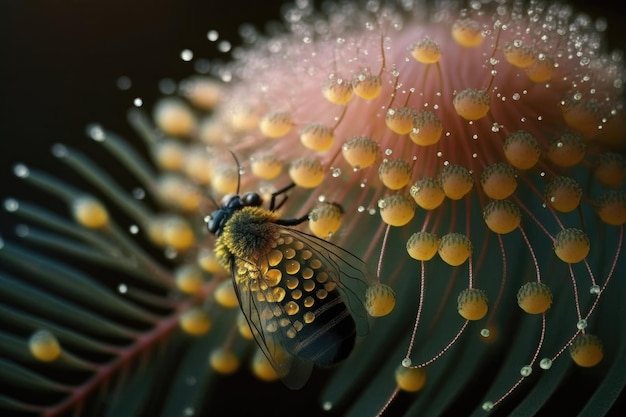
x=266 y=166
x=380 y=300
x=325 y=219
x=586 y=350
x=426 y=51
x=400 y=120
x=502 y=216
x=467 y=32
x=541 y=70
x=174 y=117
x=534 y=297
x=44 y=346
x=169 y=155
x=410 y=379
x=225 y=180
x=360 y=151
x=519 y=55
x=179 y=192
x=224 y=361
x=427 y=128
x=367 y=86
x=90 y=212
x=243 y=327
x=203 y=92
x=207 y=260
x=472 y=304
x=427 y=193
x=609 y=169
x=422 y=246
x=396 y=210
x=244 y=118
x=177 y=233
x=522 y=150
x=454 y=248
x=456 y=181
x=212 y=130
x=262 y=369
x=317 y=137
x=197 y=165
x=564 y=194
x=276 y=124
x=583 y=116
x=188 y=279
x=471 y=104
x=195 y=321
x=612 y=208
x=571 y=245
x=337 y=91
x=394 y=174
x=225 y=294
x=306 y=172
x=567 y=150
x=499 y=180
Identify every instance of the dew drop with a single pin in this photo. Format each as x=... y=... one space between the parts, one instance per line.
x=171 y=253
x=545 y=363
x=595 y=289
x=22 y=230
x=406 y=362
x=96 y=132
x=138 y=102
x=167 y=86
x=124 y=83
x=186 y=55
x=133 y=229
x=526 y=370
x=485 y=332
x=582 y=324
x=21 y=171
x=487 y=406
x=59 y=151
x=224 y=46
x=11 y=205
x=139 y=193
x=122 y=288
x=212 y=35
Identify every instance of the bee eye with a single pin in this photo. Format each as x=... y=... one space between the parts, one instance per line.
x=252 y=199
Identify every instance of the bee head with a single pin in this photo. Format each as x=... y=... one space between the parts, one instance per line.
x=231 y=203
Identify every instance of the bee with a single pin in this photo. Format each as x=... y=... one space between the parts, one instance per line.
x=302 y=296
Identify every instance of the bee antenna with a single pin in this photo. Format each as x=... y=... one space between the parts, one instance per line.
x=238 y=170
x=217 y=206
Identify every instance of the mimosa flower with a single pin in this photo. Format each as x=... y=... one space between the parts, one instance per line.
x=470 y=155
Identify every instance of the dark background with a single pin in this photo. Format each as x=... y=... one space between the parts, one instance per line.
x=60 y=61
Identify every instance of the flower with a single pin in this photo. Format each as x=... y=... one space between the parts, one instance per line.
x=473 y=157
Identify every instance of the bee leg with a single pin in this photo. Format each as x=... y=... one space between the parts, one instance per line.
x=282 y=191
x=292 y=222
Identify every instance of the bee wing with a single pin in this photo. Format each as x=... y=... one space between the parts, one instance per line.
x=351 y=275
x=262 y=317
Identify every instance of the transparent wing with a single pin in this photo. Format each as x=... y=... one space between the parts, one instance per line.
x=263 y=317
x=299 y=298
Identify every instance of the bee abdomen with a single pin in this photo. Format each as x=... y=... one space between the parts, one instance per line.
x=329 y=337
